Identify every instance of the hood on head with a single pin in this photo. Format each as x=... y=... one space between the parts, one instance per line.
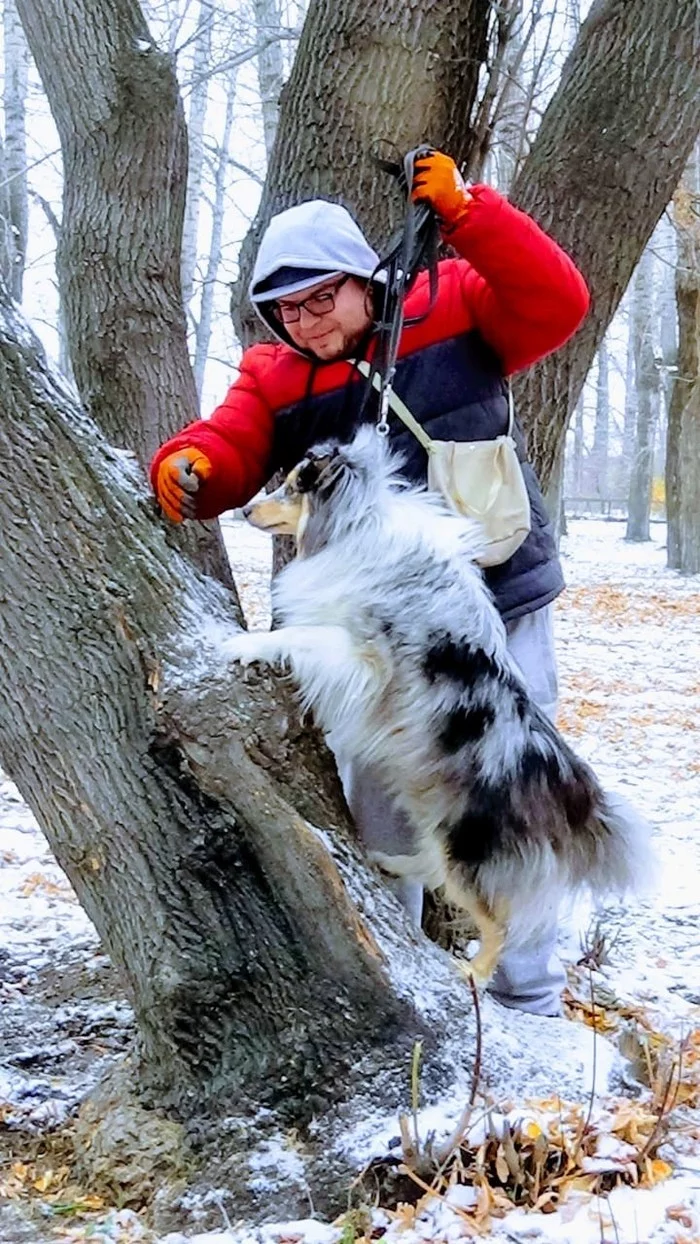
x=301 y=247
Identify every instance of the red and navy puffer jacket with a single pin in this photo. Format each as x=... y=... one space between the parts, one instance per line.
x=511 y=298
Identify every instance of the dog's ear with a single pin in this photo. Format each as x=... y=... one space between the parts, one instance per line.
x=319 y=473
x=307 y=475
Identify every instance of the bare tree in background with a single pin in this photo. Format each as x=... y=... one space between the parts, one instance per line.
x=578 y=450
x=647 y=378
x=7 y=244
x=629 y=422
x=601 y=431
x=218 y=209
x=683 y=443
x=15 y=206
x=270 y=64
x=52 y=219
x=605 y=219
x=196 y=116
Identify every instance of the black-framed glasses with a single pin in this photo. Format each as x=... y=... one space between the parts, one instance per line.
x=317 y=304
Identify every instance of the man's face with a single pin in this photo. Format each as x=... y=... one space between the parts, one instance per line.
x=329 y=327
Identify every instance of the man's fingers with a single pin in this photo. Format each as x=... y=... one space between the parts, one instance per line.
x=170 y=493
x=169 y=510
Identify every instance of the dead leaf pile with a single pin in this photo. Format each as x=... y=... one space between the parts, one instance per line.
x=619 y=607
x=536 y=1158
x=52 y=889
x=25 y=1180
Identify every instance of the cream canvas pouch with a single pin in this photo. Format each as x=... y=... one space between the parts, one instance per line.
x=480 y=479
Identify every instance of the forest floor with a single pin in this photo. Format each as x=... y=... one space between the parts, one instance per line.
x=628 y=641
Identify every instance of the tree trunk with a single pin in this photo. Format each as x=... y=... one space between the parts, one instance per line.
x=64 y=361
x=601 y=433
x=206 y=306
x=664 y=243
x=683 y=455
x=647 y=376
x=7 y=242
x=607 y=157
x=510 y=122
x=175 y=795
x=370 y=77
x=16 y=57
x=115 y=101
x=270 y=67
x=579 y=450
x=629 y=426
x=199 y=97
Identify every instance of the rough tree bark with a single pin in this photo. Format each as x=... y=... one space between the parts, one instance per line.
x=115 y=101
x=369 y=78
x=647 y=384
x=607 y=157
x=683 y=442
x=174 y=793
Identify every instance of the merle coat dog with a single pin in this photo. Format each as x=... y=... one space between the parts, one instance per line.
x=399 y=650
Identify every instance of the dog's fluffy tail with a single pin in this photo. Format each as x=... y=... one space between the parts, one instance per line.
x=624 y=860
x=610 y=856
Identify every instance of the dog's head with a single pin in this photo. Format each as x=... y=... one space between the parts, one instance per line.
x=334 y=487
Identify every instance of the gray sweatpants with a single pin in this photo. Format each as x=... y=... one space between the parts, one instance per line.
x=532 y=977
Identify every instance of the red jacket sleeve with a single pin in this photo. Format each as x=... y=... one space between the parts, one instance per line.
x=237 y=440
x=524 y=293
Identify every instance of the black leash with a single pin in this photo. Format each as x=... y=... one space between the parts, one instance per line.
x=414 y=247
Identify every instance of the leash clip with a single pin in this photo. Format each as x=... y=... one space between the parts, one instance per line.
x=383 y=422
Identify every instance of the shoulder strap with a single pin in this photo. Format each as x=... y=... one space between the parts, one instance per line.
x=511 y=411
x=399 y=408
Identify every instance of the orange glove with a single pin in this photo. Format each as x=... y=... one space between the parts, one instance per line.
x=438 y=181
x=178 y=479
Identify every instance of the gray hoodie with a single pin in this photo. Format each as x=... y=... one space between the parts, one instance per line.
x=317 y=239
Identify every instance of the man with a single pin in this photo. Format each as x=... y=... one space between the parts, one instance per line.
x=511 y=297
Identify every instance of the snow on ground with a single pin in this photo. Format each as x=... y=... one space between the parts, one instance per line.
x=628 y=639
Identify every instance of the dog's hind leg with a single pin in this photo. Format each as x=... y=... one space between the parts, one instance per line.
x=491 y=926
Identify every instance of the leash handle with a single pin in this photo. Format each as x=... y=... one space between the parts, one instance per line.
x=416 y=243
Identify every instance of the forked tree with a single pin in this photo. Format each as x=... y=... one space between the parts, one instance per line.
x=183 y=800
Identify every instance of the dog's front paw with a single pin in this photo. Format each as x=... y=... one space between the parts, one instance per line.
x=243 y=648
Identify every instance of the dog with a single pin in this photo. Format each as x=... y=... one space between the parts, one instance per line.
x=399 y=650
